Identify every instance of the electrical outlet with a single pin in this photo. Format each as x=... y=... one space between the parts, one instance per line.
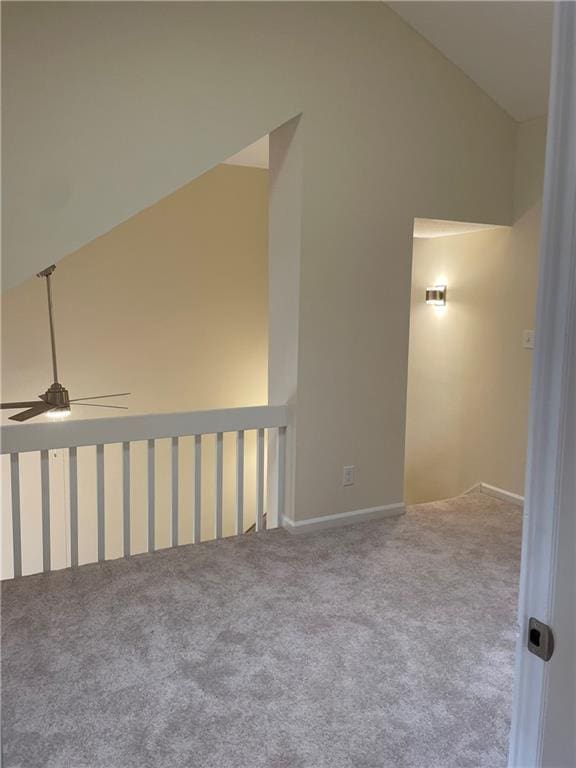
x=348 y=475
x=528 y=339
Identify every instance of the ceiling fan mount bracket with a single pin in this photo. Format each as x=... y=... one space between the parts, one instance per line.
x=47 y=272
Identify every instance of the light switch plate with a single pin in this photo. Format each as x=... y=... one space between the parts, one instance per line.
x=348 y=475
x=528 y=339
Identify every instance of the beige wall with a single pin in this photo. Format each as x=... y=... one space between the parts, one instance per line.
x=178 y=290
x=141 y=99
x=469 y=376
x=171 y=306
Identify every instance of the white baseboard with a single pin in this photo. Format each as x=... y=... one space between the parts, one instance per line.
x=497 y=493
x=343 y=518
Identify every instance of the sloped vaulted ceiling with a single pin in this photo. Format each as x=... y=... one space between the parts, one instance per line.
x=503 y=46
x=108 y=107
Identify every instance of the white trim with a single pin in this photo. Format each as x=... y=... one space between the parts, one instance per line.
x=476 y=488
x=286 y=153
x=497 y=493
x=549 y=460
x=500 y=493
x=18 y=438
x=343 y=518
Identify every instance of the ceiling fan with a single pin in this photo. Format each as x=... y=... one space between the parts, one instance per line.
x=55 y=402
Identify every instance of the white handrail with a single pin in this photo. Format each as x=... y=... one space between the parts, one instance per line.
x=21 y=438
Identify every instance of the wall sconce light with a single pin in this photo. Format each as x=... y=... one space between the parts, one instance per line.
x=436 y=295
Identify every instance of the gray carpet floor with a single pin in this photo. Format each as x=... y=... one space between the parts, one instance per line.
x=382 y=645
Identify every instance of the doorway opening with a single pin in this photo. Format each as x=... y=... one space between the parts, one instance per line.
x=469 y=365
x=470 y=356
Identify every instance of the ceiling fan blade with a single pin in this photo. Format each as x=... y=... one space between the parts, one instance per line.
x=36 y=410
x=24 y=404
x=99 y=397
x=99 y=405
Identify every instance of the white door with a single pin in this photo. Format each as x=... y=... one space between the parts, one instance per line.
x=544 y=713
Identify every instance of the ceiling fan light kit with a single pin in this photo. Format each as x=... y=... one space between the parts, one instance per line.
x=55 y=402
x=58 y=413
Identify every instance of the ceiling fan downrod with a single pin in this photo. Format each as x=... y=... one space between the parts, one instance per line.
x=47 y=273
x=56 y=394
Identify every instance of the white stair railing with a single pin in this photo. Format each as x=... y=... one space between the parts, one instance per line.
x=267 y=422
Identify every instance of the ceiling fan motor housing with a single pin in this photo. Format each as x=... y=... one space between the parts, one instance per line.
x=57 y=395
